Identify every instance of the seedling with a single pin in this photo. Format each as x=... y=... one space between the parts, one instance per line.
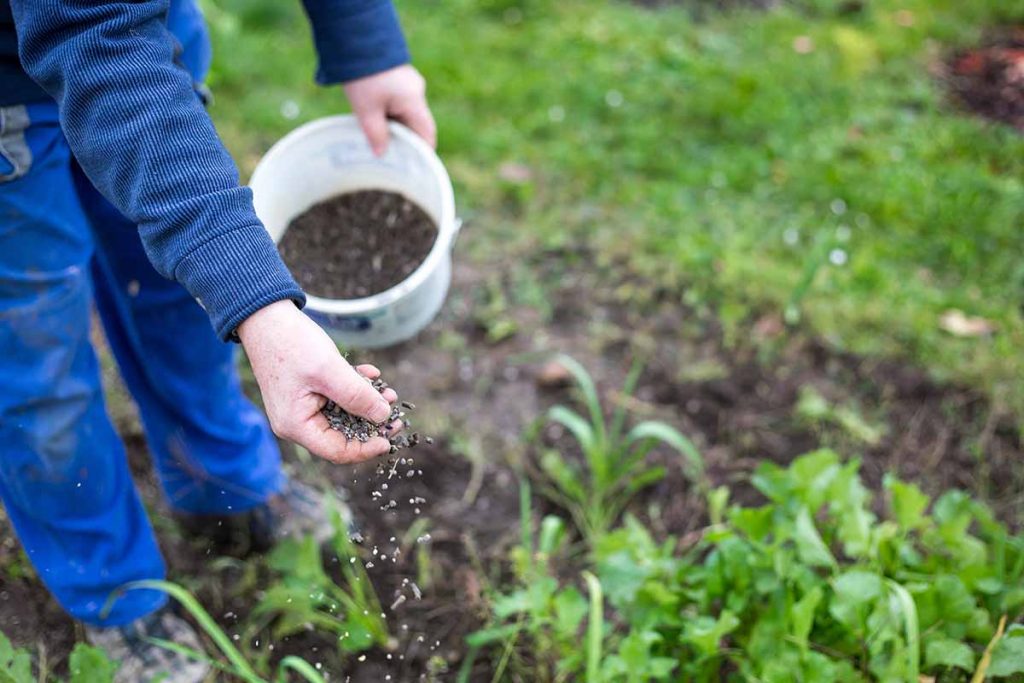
x=614 y=466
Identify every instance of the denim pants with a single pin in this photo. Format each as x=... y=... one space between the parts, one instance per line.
x=64 y=477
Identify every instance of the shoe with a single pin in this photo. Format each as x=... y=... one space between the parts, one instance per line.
x=298 y=511
x=142 y=661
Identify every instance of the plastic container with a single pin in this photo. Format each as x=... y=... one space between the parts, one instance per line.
x=330 y=156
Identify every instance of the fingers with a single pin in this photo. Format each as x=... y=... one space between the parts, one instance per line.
x=421 y=121
x=372 y=372
x=368 y=371
x=374 y=122
x=331 y=445
x=351 y=391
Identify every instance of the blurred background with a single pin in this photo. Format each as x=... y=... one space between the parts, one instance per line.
x=816 y=157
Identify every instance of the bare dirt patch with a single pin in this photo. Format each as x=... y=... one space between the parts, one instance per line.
x=989 y=79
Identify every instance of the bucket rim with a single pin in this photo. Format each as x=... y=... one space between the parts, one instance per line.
x=447 y=224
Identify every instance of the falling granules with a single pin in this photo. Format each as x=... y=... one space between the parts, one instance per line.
x=390 y=478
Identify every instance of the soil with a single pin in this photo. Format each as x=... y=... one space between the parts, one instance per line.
x=989 y=79
x=735 y=393
x=357 y=244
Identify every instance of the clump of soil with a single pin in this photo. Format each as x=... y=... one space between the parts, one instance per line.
x=989 y=80
x=357 y=244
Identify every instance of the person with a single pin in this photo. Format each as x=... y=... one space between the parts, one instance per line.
x=115 y=190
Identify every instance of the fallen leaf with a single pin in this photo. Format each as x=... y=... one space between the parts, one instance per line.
x=960 y=325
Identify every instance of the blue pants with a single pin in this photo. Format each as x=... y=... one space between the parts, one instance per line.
x=64 y=477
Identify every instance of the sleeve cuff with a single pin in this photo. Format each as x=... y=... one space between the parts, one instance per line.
x=355 y=44
x=234 y=275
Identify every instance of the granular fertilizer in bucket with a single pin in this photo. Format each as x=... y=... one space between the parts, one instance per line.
x=357 y=244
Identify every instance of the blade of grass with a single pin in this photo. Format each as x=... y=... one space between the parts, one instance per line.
x=192 y=654
x=206 y=622
x=628 y=387
x=574 y=422
x=299 y=666
x=986 y=657
x=595 y=628
x=589 y=391
x=651 y=429
x=467 y=665
x=506 y=653
x=525 y=528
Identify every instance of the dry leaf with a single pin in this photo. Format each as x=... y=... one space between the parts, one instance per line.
x=960 y=325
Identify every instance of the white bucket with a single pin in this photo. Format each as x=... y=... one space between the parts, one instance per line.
x=330 y=156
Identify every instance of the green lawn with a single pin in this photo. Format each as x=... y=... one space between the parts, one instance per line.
x=711 y=152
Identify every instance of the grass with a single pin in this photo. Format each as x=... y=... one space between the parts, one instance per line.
x=710 y=153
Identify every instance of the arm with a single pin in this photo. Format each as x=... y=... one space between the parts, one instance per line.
x=360 y=44
x=143 y=139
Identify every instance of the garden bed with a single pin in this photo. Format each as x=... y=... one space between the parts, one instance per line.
x=767 y=395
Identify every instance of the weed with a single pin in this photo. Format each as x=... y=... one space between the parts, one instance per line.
x=811 y=586
x=537 y=609
x=614 y=466
x=814 y=408
x=304 y=595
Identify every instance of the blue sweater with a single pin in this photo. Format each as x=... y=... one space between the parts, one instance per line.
x=134 y=124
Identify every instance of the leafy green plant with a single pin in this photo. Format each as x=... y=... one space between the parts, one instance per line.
x=303 y=594
x=614 y=466
x=538 y=609
x=15 y=664
x=811 y=586
x=816 y=410
x=87 y=664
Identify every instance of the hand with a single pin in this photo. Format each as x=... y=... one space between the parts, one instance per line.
x=399 y=93
x=298 y=368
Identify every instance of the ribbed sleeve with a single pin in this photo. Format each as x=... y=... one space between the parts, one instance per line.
x=355 y=38
x=141 y=135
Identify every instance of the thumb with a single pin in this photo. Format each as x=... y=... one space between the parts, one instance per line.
x=374 y=123
x=355 y=394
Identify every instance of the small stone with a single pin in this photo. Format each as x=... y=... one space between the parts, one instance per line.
x=553 y=375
